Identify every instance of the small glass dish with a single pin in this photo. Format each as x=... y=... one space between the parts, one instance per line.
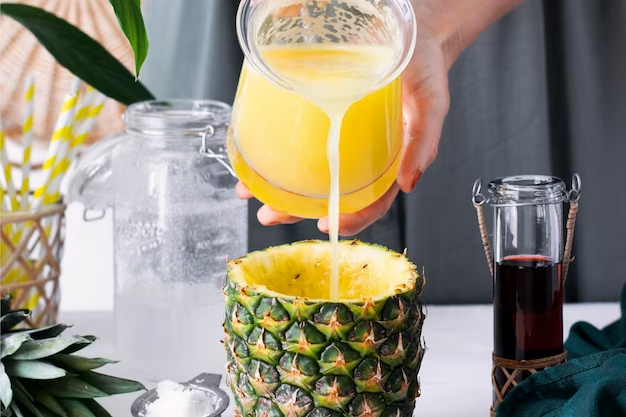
x=209 y=383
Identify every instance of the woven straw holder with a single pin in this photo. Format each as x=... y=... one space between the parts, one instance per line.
x=32 y=247
x=515 y=371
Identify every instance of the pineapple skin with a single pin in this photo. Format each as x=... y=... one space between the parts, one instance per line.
x=292 y=357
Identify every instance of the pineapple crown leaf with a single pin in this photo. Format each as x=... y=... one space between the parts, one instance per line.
x=6 y=394
x=40 y=376
x=12 y=319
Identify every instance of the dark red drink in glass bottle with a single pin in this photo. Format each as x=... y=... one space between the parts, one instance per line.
x=527 y=266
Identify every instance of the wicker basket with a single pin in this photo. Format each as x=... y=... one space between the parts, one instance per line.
x=32 y=246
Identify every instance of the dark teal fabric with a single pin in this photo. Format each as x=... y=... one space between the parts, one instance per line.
x=592 y=383
x=585 y=339
x=591 y=386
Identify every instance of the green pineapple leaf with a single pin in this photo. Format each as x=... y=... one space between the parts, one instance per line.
x=40 y=333
x=9 y=321
x=5 y=304
x=79 y=53
x=110 y=384
x=96 y=408
x=16 y=409
x=79 y=363
x=6 y=393
x=129 y=16
x=75 y=408
x=33 y=370
x=43 y=332
x=18 y=387
x=71 y=387
x=43 y=397
x=11 y=344
x=26 y=400
x=78 y=346
x=38 y=349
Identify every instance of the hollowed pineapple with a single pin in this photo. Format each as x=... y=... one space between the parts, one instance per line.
x=293 y=352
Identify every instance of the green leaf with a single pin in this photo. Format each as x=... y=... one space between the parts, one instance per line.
x=41 y=333
x=41 y=396
x=96 y=408
x=5 y=304
x=48 y=413
x=75 y=408
x=16 y=409
x=6 y=393
x=72 y=387
x=79 y=363
x=38 y=349
x=33 y=369
x=110 y=384
x=22 y=397
x=12 y=319
x=79 y=53
x=11 y=344
x=129 y=16
x=78 y=346
x=17 y=386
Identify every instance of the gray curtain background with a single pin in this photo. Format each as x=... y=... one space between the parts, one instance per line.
x=541 y=92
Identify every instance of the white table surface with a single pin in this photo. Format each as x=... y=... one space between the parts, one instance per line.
x=455 y=373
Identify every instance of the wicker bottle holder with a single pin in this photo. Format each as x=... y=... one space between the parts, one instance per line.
x=516 y=371
x=31 y=267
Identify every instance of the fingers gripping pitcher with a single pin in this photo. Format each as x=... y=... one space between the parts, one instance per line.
x=318 y=111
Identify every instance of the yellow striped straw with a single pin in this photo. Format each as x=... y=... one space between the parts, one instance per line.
x=2 y=204
x=6 y=171
x=80 y=132
x=62 y=131
x=87 y=123
x=27 y=139
x=63 y=159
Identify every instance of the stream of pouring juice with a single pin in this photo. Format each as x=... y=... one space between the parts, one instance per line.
x=346 y=149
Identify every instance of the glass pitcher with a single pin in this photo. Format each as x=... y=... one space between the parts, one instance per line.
x=176 y=221
x=528 y=265
x=308 y=62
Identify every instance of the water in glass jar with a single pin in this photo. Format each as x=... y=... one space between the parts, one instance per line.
x=168 y=301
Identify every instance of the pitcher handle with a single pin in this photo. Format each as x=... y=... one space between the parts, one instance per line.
x=573 y=195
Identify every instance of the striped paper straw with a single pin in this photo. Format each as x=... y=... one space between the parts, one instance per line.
x=87 y=123
x=80 y=132
x=63 y=159
x=6 y=171
x=27 y=139
x=62 y=130
x=2 y=204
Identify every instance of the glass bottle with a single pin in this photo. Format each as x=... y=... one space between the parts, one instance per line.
x=528 y=273
x=528 y=255
x=176 y=220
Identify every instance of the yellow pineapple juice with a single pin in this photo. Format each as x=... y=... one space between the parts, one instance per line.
x=279 y=139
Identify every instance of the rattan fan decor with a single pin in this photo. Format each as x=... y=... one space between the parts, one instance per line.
x=21 y=53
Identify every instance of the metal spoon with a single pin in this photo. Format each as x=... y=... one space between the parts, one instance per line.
x=209 y=383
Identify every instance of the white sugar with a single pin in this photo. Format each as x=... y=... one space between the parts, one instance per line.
x=175 y=400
